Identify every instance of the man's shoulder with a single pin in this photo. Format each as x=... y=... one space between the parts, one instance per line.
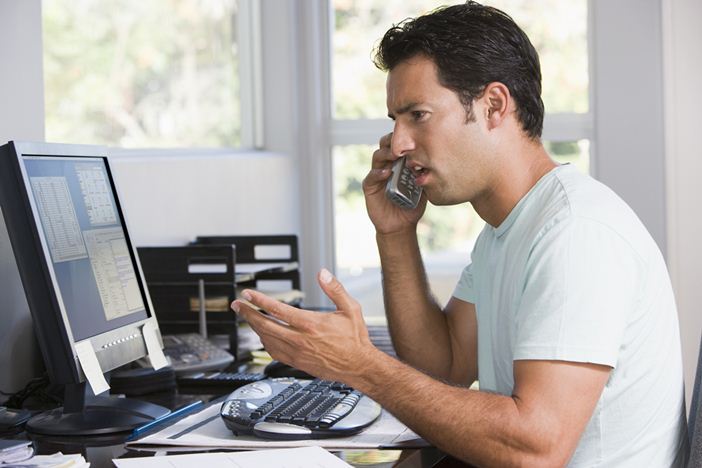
x=575 y=202
x=578 y=198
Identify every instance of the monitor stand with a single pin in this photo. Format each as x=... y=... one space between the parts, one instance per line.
x=95 y=415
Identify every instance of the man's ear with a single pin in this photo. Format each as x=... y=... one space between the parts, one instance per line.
x=498 y=102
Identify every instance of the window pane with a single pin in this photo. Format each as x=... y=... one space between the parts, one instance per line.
x=358 y=86
x=157 y=73
x=557 y=28
x=576 y=153
x=446 y=233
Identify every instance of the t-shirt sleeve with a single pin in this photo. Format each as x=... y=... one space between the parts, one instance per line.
x=464 y=289
x=580 y=286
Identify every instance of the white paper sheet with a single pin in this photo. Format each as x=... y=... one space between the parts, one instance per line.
x=153 y=348
x=386 y=432
x=303 y=457
x=58 y=459
x=91 y=367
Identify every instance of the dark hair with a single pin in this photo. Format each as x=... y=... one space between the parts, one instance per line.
x=472 y=45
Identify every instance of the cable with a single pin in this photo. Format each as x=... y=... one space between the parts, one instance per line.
x=37 y=388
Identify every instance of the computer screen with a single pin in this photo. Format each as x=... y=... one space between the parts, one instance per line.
x=85 y=236
x=79 y=269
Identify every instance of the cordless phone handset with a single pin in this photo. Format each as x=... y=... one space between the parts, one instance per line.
x=401 y=188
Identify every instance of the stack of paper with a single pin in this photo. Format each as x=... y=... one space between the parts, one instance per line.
x=206 y=430
x=282 y=458
x=12 y=451
x=249 y=271
x=73 y=460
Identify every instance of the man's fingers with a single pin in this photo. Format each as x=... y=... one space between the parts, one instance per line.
x=336 y=291
x=383 y=155
x=278 y=310
x=376 y=177
x=385 y=140
x=260 y=322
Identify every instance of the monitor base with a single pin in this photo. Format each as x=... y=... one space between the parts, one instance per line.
x=100 y=415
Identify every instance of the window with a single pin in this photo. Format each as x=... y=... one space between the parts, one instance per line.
x=128 y=73
x=557 y=29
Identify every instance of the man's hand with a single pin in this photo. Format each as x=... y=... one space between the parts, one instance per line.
x=328 y=345
x=387 y=217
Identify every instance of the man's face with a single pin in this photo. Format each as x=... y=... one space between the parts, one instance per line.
x=447 y=153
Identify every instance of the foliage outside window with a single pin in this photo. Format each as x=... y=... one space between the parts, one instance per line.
x=156 y=73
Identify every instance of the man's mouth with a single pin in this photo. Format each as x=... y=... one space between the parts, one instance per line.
x=420 y=173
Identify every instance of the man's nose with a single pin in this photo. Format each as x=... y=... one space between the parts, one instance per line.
x=402 y=142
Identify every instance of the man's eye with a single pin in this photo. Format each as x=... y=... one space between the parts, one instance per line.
x=418 y=115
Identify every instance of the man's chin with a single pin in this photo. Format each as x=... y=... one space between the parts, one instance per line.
x=442 y=199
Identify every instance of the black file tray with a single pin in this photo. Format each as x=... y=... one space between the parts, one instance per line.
x=173 y=276
x=253 y=251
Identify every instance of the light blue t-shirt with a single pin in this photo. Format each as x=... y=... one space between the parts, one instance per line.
x=573 y=275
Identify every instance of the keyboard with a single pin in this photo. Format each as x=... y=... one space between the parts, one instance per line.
x=380 y=337
x=290 y=409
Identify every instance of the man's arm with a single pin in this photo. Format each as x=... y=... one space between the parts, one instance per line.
x=441 y=343
x=540 y=424
x=422 y=334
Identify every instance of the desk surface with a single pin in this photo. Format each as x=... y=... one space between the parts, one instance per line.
x=101 y=450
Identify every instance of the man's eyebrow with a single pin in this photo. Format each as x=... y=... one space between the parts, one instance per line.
x=402 y=110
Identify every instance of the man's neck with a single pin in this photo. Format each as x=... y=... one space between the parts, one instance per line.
x=523 y=169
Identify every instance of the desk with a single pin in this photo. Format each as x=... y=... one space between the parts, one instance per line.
x=100 y=450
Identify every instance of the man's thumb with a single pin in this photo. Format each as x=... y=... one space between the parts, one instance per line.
x=336 y=291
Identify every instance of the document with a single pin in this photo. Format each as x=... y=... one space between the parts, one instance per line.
x=114 y=274
x=206 y=430
x=153 y=348
x=14 y=450
x=91 y=367
x=284 y=458
x=57 y=460
x=59 y=219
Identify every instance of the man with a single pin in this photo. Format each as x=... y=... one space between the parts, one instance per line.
x=566 y=314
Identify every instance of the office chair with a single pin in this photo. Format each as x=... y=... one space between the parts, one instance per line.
x=695 y=420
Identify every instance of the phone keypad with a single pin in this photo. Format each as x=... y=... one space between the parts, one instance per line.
x=407 y=179
x=402 y=188
x=409 y=186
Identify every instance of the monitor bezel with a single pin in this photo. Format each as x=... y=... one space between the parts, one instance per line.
x=113 y=348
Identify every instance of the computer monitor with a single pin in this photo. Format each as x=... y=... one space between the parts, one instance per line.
x=81 y=277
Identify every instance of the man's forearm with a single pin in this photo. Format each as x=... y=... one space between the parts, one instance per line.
x=418 y=327
x=481 y=428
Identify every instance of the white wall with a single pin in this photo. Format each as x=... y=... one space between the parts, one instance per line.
x=628 y=149
x=21 y=117
x=21 y=80
x=171 y=200
x=682 y=45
